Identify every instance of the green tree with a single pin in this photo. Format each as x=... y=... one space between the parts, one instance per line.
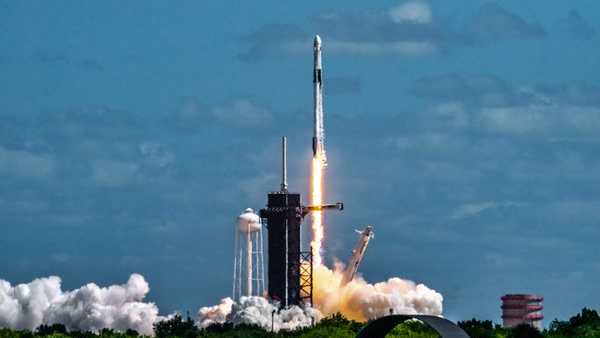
x=8 y=333
x=584 y=324
x=176 y=327
x=524 y=331
x=46 y=330
x=482 y=329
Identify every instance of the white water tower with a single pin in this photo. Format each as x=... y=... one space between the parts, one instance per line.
x=248 y=263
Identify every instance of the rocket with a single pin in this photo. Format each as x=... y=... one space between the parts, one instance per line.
x=357 y=255
x=318 y=141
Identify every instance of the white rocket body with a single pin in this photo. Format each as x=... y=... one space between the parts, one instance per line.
x=319 y=131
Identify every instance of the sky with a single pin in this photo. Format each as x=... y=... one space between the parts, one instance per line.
x=467 y=133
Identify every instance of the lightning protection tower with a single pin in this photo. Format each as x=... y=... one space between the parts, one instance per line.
x=248 y=264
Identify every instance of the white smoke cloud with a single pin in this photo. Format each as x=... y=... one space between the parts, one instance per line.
x=215 y=314
x=257 y=311
x=89 y=308
x=121 y=307
x=357 y=300
x=362 y=301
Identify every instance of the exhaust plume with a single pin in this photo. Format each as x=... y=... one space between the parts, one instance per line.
x=89 y=308
x=361 y=301
x=257 y=311
x=357 y=300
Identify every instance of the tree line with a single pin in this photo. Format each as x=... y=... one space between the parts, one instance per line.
x=583 y=325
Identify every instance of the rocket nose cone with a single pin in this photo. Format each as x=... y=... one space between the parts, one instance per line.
x=317 y=40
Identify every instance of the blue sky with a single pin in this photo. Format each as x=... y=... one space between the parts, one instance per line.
x=132 y=133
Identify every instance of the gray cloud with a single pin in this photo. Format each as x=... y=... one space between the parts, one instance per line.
x=577 y=26
x=492 y=91
x=113 y=173
x=494 y=21
x=53 y=58
x=89 y=123
x=407 y=30
x=577 y=93
x=238 y=112
x=25 y=165
x=472 y=209
x=540 y=120
x=484 y=89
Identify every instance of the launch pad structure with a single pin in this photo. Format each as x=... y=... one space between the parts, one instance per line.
x=290 y=276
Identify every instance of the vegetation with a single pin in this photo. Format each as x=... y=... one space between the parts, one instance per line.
x=585 y=325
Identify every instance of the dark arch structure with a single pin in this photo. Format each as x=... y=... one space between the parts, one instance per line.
x=380 y=327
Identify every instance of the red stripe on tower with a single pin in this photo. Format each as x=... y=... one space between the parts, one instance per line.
x=522 y=309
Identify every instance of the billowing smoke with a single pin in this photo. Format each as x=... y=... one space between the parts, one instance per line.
x=258 y=311
x=215 y=314
x=361 y=301
x=357 y=300
x=89 y=308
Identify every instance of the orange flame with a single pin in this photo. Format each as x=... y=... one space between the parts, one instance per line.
x=318 y=169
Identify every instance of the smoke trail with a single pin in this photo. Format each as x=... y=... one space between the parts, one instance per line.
x=89 y=308
x=257 y=311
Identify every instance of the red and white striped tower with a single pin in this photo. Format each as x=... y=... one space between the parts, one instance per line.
x=522 y=309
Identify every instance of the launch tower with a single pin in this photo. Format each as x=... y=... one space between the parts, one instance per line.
x=290 y=268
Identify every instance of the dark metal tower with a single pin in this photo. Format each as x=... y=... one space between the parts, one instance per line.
x=290 y=269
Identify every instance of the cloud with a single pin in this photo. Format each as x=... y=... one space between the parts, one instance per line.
x=535 y=120
x=484 y=89
x=472 y=209
x=446 y=116
x=412 y=11
x=156 y=156
x=243 y=112
x=254 y=187
x=238 y=112
x=190 y=109
x=491 y=91
x=427 y=143
x=407 y=30
x=577 y=26
x=51 y=58
x=89 y=123
x=577 y=93
x=25 y=165
x=493 y=21
x=113 y=174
